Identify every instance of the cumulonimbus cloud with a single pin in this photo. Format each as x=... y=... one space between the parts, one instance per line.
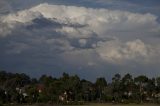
x=82 y=23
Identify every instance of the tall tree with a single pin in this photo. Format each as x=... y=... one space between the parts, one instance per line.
x=101 y=84
x=116 y=81
x=158 y=83
x=127 y=83
x=141 y=82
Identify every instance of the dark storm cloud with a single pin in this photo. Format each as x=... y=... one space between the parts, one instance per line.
x=138 y=6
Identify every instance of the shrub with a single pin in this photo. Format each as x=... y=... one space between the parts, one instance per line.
x=1 y=104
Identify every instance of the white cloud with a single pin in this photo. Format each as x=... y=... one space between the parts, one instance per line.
x=97 y=41
x=116 y=51
x=82 y=23
x=21 y=16
x=100 y=21
x=72 y=32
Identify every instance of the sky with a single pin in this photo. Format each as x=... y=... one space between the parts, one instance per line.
x=90 y=38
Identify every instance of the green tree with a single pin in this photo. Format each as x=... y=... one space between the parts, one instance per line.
x=158 y=84
x=127 y=87
x=101 y=84
x=141 y=82
x=116 y=82
x=46 y=80
x=85 y=90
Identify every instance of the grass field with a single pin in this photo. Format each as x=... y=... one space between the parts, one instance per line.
x=122 y=105
x=95 y=105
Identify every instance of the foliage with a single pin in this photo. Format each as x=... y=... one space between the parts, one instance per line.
x=20 y=88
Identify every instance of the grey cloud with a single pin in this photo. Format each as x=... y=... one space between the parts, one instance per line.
x=73 y=30
x=5 y=7
x=91 y=41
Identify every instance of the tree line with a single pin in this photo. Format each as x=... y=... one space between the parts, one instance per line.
x=70 y=89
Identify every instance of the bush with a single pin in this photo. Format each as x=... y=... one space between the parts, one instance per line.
x=108 y=98
x=1 y=104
